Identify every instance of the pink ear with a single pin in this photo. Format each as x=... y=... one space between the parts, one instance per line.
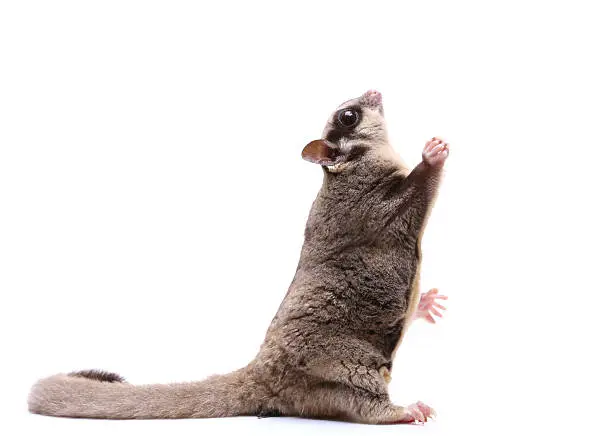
x=320 y=152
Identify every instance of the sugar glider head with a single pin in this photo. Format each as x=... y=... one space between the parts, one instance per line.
x=355 y=130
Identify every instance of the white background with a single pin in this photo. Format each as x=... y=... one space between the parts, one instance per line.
x=153 y=199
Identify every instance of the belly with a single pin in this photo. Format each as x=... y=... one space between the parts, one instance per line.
x=411 y=262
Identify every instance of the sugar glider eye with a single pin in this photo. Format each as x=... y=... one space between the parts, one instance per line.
x=348 y=117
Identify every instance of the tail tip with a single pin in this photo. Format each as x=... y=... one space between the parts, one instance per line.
x=98 y=375
x=55 y=395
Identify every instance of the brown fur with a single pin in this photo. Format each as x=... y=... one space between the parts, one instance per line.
x=329 y=350
x=96 y=374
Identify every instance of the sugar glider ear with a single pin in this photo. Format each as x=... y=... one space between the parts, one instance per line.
x=321 y=152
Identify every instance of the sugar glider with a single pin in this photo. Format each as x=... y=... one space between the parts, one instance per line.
x=329 y=350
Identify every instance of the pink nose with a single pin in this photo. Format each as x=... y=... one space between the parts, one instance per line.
x=373 y=97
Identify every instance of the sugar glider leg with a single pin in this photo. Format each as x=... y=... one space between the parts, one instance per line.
x=356 y=405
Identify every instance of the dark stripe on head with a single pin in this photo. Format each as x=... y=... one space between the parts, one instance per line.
x=339 y=130
x=334 y=135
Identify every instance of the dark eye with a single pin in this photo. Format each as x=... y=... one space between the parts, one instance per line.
x=348 y=117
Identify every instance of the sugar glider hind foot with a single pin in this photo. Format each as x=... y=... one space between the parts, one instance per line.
x=417 y=413
x=388 y=413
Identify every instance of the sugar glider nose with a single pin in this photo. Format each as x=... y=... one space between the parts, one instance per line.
x=372 y=98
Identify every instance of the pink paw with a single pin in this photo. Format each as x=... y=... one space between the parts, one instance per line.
x=428 y=306
x=417 y=413
x=435 y=152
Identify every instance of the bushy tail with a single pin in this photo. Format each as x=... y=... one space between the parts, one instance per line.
x=99 y=394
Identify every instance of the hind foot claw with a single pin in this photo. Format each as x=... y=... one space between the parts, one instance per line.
x=417 y=413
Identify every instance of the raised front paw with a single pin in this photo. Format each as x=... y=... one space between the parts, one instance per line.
x=435 y=152
x=428 y=306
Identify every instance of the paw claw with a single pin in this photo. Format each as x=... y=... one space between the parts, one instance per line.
x=435 y=152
